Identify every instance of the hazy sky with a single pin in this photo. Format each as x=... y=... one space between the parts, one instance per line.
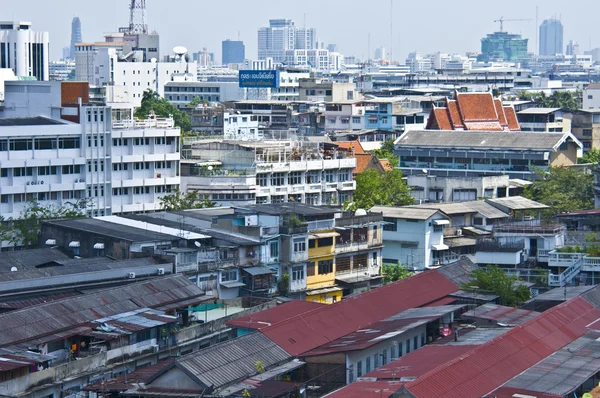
x=427 y=26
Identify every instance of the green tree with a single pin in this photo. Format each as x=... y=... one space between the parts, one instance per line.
x=284 y=284
x=567 y=100
x=375 y=189
x=591 y=156
x=151 y=101
x=196 y=101
x=564 y=189
x=387 y=152
x=395 y=272
x=494 y=280
x=25 y=230
x=184 y=201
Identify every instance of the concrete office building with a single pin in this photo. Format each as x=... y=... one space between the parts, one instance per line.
x=233 y=52
x=282 y=35
x=551 y=37
x=24 y=50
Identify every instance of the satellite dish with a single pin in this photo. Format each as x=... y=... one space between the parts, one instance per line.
x=13 y=269
x=210 y=168
x=198 y=244
x=153 y=60
x=360 y=212
x=180 y=50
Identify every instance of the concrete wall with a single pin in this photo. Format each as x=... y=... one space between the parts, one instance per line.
x=564 y=158
x=175 y=377
x=499 y=258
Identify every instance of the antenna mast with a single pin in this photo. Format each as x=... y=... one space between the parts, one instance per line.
x=137 y=17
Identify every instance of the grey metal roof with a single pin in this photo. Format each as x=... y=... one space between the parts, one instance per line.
x=28 y=259
x=482 y=140
x=232 y=361
x=448 y=208
x=254 y=271
x=518 y=203
x=62 y=315
x=410 y=213
x=558 y=294
x=292 y=207
x=124 y=232
x=426 y=312
x=30 y=121
x=501 y=314
x=564 y=371
x=486 y=209
x=477 y=336
x=458 y=272
x=537 y=111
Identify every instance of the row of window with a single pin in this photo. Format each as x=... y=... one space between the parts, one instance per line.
x=40 y=171
x=176 y=89
x=141 y=165
x=322 y=267
x=300 y=178
x=142 y=141
x=27 y=144
x=41 y=196
x=143 y=190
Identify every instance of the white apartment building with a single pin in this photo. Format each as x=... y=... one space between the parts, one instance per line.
x=241 y=127
x=282 y=35
x=234 y=172
x=24 y=50
x=24 y=98
x=591 y=96
x=289 y=86
x=137 y=77
x=180 y=93
x=86 y=55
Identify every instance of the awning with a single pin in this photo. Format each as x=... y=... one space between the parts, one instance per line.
x=439 y=247
x=323 y=235
x=231 y=285
x=99 y=246
x=258 y=271
x=441 y=222
x=51 y=242
x=74 y=244
x=323 y=291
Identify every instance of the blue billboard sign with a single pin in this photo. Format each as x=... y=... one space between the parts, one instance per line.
x=259 y=79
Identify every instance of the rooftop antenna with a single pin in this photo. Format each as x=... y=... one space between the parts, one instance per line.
x=137 y=17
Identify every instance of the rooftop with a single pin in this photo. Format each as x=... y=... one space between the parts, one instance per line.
x=30 y=121
x=501 y=314
x=517 y=203
x=448 y=208
x=409 y=213
x=293 y=207
x=280 y=313
x=29 y=259
x=538 y=111
x=477 y=140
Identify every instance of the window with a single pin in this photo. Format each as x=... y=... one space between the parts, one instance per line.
x=45 y=143
x=407 y=346
x=21 y=145
x=438 y=228
x=295 y=178
x=312 y=244
x=391 y=224
x=375 y=232
x=329 y=176
x=323 y=242
x=3 y=172
x=344 y=176
x=298 y=273
x=261 y=180
x=69 y=143
x=587 y=132
x=227 y=276
x=415 y=342
x=358 y=368
x=325 y=267
x=376 y=360
x=356 y=120
x=590 y=97
x=422 y=339
x=277 y=179
x=393 y=352
x=368 y=364
x=310 y=268
x=274 y=249
x=299 y=245
x=477 y=221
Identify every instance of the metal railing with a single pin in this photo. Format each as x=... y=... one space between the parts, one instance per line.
x=159 y=123
x=566 y=276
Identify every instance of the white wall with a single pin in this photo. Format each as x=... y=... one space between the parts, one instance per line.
x=493 y=258
x=594 y=101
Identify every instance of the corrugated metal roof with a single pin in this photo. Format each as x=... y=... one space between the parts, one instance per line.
x=28 y=259
x=501 y=314
x=486 y=209
x=305 y=332
x=517 y=203
x=274 y=315
x=57 y=316
x=458 y=272
x=448 y=208
x=367 y=389
x=511 y=392
x=99 y=227
x=410 y=213
x=492 y=364
x=481 y=139
x=537 y=111
x=232 y=361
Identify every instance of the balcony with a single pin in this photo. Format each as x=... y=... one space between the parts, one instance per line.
x=556 y=259
x=350 y=247
x=348 y=220
x=533 y=227
x=293 y=230
x=320 y=225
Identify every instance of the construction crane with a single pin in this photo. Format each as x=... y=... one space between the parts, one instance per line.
x=502 y=20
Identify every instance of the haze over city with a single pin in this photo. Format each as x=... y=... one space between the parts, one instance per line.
x=447 y=26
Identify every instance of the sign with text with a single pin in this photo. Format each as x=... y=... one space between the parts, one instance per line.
x=259 y=79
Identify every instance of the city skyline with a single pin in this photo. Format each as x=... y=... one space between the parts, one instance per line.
x=439 y=31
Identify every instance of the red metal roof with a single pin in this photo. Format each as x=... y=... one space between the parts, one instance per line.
x=366 y=389
x=501 y=314
x=442 y=301
x=262 y=319
x=305 y=332
x=509 y=392
x=492 y=364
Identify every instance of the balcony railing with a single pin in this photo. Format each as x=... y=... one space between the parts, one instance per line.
x=293 y=230
x=531 y=227
x=350 y=247
x=348 y=219
x=159 y=123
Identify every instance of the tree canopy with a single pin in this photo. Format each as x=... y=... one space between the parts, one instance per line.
x=196 y=101
x=387 y=152
x=184 y=201
x=395 y=272
x=564 y=189
x=591 y=156
x=495 y=281
x=151 y=101
x=567 y=100
x=375 y=189
x=25 y=230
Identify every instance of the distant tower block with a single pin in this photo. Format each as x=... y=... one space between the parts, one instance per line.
x=137 y=17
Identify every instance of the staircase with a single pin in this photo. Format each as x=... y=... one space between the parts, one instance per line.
x=566 y=276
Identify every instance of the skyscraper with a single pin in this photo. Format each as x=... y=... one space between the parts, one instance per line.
x=282 y=35
x=75 y=35
x=503 y=46
x=551 y=37
x=233 y=52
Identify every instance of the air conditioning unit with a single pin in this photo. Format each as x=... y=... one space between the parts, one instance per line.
x=436 y=262
x=28 y=182
x=161 y=271
x=459 y=232
x=41 y=182
x=131 y=275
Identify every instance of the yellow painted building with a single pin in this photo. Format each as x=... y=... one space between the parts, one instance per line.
x=320 y=271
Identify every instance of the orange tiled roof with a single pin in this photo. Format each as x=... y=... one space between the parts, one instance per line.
x=500 y=112
x=358 y=148
x=511 y=118
x=385 y=163
x=483 y=126
x=439 y=119
x=476 y=107
x=454 y=114
x=362 y=161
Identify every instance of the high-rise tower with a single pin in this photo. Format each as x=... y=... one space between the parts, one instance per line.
x=551 y=37
x=75 y=36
